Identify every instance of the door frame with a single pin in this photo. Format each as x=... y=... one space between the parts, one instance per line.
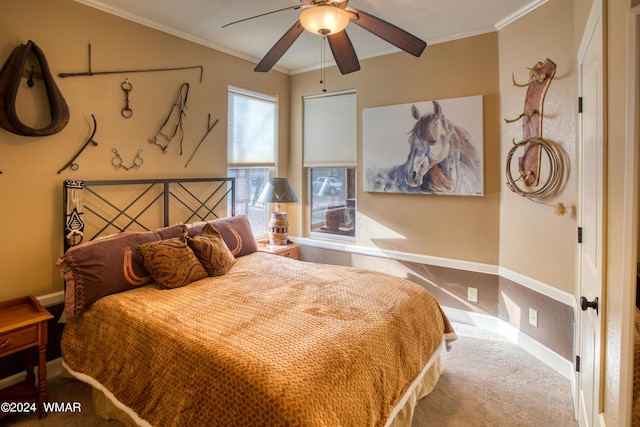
x=630 y=218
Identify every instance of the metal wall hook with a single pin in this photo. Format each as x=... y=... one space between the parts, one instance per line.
x=528 y=113
x=30 y=81
x=534 y=77
x=32 y=75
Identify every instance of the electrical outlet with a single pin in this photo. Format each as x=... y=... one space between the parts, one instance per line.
x=472 y=294
x=533 y=317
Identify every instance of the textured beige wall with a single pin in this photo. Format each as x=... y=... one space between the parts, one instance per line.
x=464 y=228
x=30 y=188
x=533 y=240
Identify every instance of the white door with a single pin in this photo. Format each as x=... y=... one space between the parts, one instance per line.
x=590 y=271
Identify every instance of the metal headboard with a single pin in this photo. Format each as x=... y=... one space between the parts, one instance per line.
x=97 y=208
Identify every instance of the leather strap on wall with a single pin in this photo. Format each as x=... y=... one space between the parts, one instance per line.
x=10 y=78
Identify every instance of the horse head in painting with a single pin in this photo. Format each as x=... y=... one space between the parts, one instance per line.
x=441 y=160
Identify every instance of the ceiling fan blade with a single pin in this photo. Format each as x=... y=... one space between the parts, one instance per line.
x=387 y=31
x=263 y=14
x=280 y=48
x=343 y=52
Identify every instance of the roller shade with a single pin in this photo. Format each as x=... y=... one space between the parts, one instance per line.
x=251 y=132
x=330 y=130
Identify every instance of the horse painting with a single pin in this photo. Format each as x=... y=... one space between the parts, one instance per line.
x=442 y=160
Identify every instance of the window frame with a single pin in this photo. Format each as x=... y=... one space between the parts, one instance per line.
x=330 y=142
x=349 y=212
x=238 y=164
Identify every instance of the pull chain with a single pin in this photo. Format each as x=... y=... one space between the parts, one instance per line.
x=322 y=61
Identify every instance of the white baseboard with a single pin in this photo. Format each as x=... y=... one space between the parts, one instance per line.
x=51 y=299
x=476 y=267
x=549 y=357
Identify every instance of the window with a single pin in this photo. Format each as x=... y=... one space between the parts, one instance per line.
x=330 y=156
x=333 y=201
x=251 y=150
x=249 y=185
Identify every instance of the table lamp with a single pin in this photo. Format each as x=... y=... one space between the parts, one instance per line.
x=278 y=190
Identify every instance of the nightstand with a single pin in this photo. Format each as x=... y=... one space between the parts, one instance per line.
x=289 y=250
x=23 y=325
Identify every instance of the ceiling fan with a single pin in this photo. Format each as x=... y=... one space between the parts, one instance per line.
x=329 y=18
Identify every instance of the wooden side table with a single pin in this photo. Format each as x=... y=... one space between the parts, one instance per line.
x=290 y=250
x=23 y=325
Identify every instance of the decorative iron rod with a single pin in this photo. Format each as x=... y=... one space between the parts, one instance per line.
x=148 y=70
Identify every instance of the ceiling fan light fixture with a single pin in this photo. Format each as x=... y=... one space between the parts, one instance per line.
x=324 y=19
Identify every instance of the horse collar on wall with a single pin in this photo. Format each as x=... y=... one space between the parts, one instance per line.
x=10 y=78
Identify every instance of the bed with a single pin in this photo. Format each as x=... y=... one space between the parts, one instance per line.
x=188 y=324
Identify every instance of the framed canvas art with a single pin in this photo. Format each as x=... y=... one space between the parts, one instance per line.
x=430 y=147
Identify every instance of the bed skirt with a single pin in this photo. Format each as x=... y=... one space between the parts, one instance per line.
x=108 y=407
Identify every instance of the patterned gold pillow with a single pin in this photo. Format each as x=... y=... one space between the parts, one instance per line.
x=212 y=251
x=171 y=262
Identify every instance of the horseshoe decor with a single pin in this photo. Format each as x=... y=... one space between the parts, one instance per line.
x=10 y=77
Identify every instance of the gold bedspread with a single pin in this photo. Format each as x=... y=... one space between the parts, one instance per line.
x=273 y=342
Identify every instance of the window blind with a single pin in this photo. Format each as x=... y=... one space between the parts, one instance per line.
x=251 y=131
x=330 y=130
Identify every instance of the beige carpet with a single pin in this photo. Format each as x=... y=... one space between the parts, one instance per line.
x=487 y=382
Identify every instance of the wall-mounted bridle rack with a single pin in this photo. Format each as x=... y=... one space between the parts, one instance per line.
x=529 y=165
x=90 y=72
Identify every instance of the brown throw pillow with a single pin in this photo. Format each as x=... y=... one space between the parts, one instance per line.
x=171 y=262
x=212 y=251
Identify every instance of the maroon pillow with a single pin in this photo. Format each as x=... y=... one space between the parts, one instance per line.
x=102 y=267
x=235 y=231
x=171 y=231
x=196 y=228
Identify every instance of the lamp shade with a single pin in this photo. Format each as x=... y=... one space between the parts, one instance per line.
x=324 y=19
x=278 y=190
